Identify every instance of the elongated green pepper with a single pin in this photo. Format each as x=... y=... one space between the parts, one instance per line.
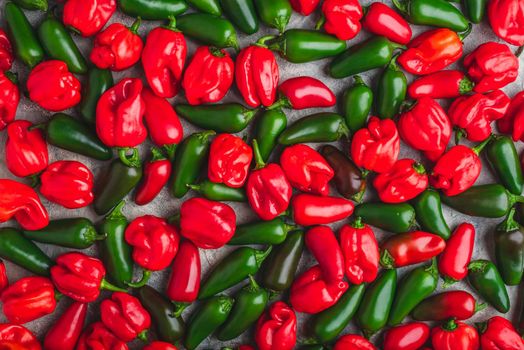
x=509 y=250
x=242 y=13
x=396 y=218
x=428 y=211
x=274 y=13
x=208 y=6
x=437 y=13
x=269 y=126
x=76 y=233
x=321 y=127
x=392 y=88
x=98 y=81
x=153 y=9
x=228 y=118
x=208 y=29
x=503 y=158
x=357 y=103
x=32 y=5
x=486 y=280
x=262 y=232
x=219 y=192
x=475 y=10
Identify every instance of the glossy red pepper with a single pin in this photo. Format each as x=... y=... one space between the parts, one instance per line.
x=4 y=281
x=305 y=92
x=353 y=342
x=277 y=328
x=405 y=181
x=208 y=76
x=117 y=47
x=456 y=304
x=376 y=147
x=513 y=121
x=159 y=345
x=6 y=52
x=88 y=17
x=431 y=52
x=28 y=299
x=382 y=20
x=306 y=169
x=455 y=335
x=18 y=337
x=9 y=98
x=229 y=160
x=506 y=18
x=65 y=331
x=21 y=202
x=156 y=174
x=322 y=243
x=410 y=336
x=475 y=113
x=184 y=282
x=454 y=260
x=342 y=18
x=304 y=7
x=53 y=87
x=154 y=242
x=25 y=149
x=96 y=337
x=499 y=334
x=410 y=248
x=208 y=224
x=309 y=210
x=443 y=84
x=257 y=75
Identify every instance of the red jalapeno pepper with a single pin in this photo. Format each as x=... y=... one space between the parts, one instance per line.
x=66 y=330
x=457 y=304
x=403 y=182
x=353 y=342
x=309 y=210
x=410 y=336
x=9 y=98
x=454 y=260
x=499 y=334
x=18 y=337
x=341 y=18
x=513 y=121
x=184 y=282
x=410 y=248
x=277 y=328
x=6 y=52
x=443 y=84
x=303 y=93
x=506 y=18
x=323 y=244
x=455 y=335
x=21 y=202
x=25 y=149
x=229 y=160
x=304 y=7
x=157 y=172
x=382 y=20
x=88 y=17
x=97 y=336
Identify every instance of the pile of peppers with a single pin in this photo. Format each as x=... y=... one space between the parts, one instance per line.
x=331 y=191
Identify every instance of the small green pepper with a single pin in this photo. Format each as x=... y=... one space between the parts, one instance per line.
x=509 y=250
x=436 y=13
x=392 y=88
x=320 y=127
x=98 y=81
x=475 y=10
x=242 y=13
x=503 y=158
x=357 y=103
x=32 y=5
x=208 y=29
x=268 y=128
x=428 y=209
x=208 y=6
x=153 y=9
x=274 y=13
x=486 y=280
x=219 y=192
x=262 y=232
x=228 y=118
x=396 y=218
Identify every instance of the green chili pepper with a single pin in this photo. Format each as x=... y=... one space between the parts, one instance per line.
x=486 y=280
x=153 y=9
x=327 y=325
x=392 y=88
x=228 y=118
x=320 y=127
x=168 y=327
x=250 y=303
x=503 y=158
x=76 y=233
x=58 y=44
x=32 y=5
x=219 y=192
x=268 y=128
x=357 y=103
x=396 y=218
x=262 y=232
x=98 y=81
x=475 y=10
x=416 y=286
x=234 y=268
x=428 y=209
x=242 y=13
x=209 y=29
x=509 y=250
x=374 y=309
x=274 y=13
x=27 y=48
x=436 y=13
x=208 y=6
x=375 y=52
x=204 y=321
x=190 y=157
x=21 y=251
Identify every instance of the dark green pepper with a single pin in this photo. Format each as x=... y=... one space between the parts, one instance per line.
x=274 y=13
x=262 y=232
x=209 y=29
x=32 y=5
x=268 y=128
x=219 y=192
x=320 y=127
x=242 y=13
x=98 y=81
x=428 y=209
x=357 y=103
x=436 y=13
x=475 y=10
x=153 y=9
x=509 y=250
x=228 y=118
x=392 y=88
x=486 y=280
x=396 y=218
x=503 y=158
x=208 y=6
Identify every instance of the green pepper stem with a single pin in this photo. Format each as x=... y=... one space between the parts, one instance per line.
x=386 y=260
x=253 y=285
x=142 y=335
x=58 y=295
x=204 y=135
x=262 y=41
x=261 y=255
x=463 y=35
x=401 y=6
x=480 y=307
x=104 y=285
x=478 y=148
x=170 y=150
x=172 y=24
x=343 y=130
x=477 y=266
x=136 y=24
x=432 y=268
x=173 y=219
x=133 y=160
x=459 y=134
x=419 y=168
x=357 y=223
x=100 y=237
x=13 y=77
x=259 y=160
x=249 y=114
x=392 y=65
x=320 y=23
x=35 y=180
x=358 y=196
x=146 y=275
x=273 y=294
x=519 y=51
x=194 y=187
x=156 y=155
x=466 y=85
x=449 y=326
x=116 y=213
x=448 y=282
x=509 y=224
x=407 y=105
x=282 y=102
x=358 y=81
x=514 y=198
x=179 y=309
x=481 y=326
x=289 y=228
x=215 y=51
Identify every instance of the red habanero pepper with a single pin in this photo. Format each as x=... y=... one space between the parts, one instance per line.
x=454 y=260
x=4 y=281
x=65 y=332
x=53 y=87
x=513 y=121
x=304 y=92
x=257 y=75
x=304 y=7
x=68 y=183
x=88 y=17
x=208 y=224
x=443 y=84
x=25 y=149
x=97 y=336
x=382 y=20
x=28 y=299
x=456 y=304
x=9 y=99
x=506 y=18
x=117 y=47
x=229 y=160
x=157 y=172
x=376 y=147
x=410 y=248
x=455 y=335
x=21 y=202
x=499 y=334
x=208 y=76
x=322 y=243
x=353 y=342
x=431 y=52
x=6 y=52
x=309 y=210
x=405 y=181
x=361 y=252
x=342 y=18
x=159 y=345
x=473 y=114
x=277 y=328
x=17 y=337
x=306 y=169
x=410 y=336
x=184 y=282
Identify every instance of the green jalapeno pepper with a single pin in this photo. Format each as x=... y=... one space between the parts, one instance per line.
x=268 y=128
x=486 y=280
x=392 y=89
x=228 y=118
x=98 y=81
x=262 y=232
x=208 y=29
x=428 y=211
x=152 y=9
x=219 y=192
x=274 y=13
x=436 y=13
x=32 y=5
x=357 y=103
x=503 y=158
x=475 y=10
x=242 y=13
x=396 y=218
x=208 y=6
x=320 y=127
x=509 y=249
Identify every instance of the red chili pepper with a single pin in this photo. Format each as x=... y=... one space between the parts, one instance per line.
x=117 y=47
x=499 y=334
x=309 y=210
x=376 y=147
x=97 y=336
x=28 y=299
x=53 y=87
x=456 y=304
x=305 y=92
x=361 y=252
x=208 y=76
x=88 y=17
x=18 y=337
x=304 y=7
x=410 y=248
x=475 y=113
x=453 y=262
x=21 y=202
x=306 y=169
x=229 y=160
x=513 y=121
x=506 y=18
x=257 y=75
x=322 y=243
x=155 y=176
x=184 y=282
x=154 y=242
x=353 y=342
x=342 y=18
x=246 y=347
x=277 y=328
x=431 y=52
x=382 y=20
x=25 y=149
x=6 y=52
x=443 y=84
x=208 y=224
x=410 y=336
x=405 y=181
x=66 y=330
x=455 y=335
x=4 y=281
x=9 y=97
x=159 y=345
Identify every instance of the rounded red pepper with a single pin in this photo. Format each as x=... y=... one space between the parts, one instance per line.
x=6 y=52
x=455 y=335
x=443 y=84
x=506 y=18
x=21 y=202
x=410 y=248
x=208 y=76
x=305 y=92
x=53 y=87
x=456 y=304
x=513 y=121
x=229 y=160
x=159 y=345
x=410 y=336
x=88 y=17
x=323 y=244
x=156 y=175
x=28 y=299
x=97 y=336
x=257 y=75
x=208 y=224
x=66 y=330
x=184 y=282
x=361 y=252
x=306 y=169
x=353 y=342
x=499 y=334
x=277 y=328
x=376 y=147
x=382 y=20
x=342 y=18
x=18 y=337
x=304 y=7
x=405 y=181
x=309 y=210
x=9 y=98
x=4 y=281
x=453 y=262
x=25 y=149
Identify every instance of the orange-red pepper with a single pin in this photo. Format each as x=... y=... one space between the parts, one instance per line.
x=9 y=98
x=229 y=160
x=6 y=52
x=309 y=209
x=277 y=328
x=97 y=336
x=322 y=243
x=305 y=92
x=403 y=182
x=410 y=248
x=442 y=84
x=184 y=282
x=66 y=330
x=353 y=342
x=4 y=281
x=455 y=335
x=156 y=174
x=410 y=336
x=18 y=337
x=513 y=121
x=342 y=18
x=382 y=20
x=454 y=260
x=88 y=17
x=304 y=7
x=499 y=334
x=506 y=18
x=25 y=149
x=21 y=202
